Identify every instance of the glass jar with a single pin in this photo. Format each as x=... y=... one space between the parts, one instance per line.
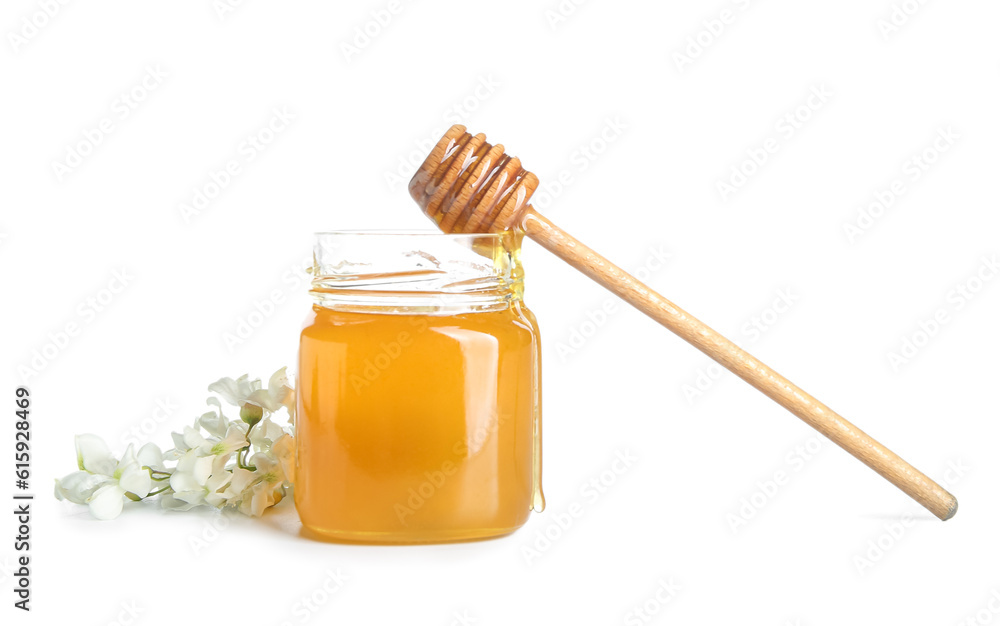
x=419 y=391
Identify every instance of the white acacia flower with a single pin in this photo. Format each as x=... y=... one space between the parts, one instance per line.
x=267 y=489
x=265 y=495
x=211 y=464
x=241 y=391
x=235 y=439
x=198 y=480
x=103 y=481
x=264 y=434
x=252 y=492
x=279 y=393
x=93 y=455
x=195 y=441
x=151 y=456
x=238 y=486
x=235 y=392
x=283 y=450
x=79 y=486
x=214 y=422
x=180 y=447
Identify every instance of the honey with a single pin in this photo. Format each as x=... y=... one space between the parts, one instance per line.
x=419 y=391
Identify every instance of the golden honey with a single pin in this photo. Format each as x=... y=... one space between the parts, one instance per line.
x=419 y=391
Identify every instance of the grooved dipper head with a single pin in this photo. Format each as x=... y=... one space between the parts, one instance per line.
x=469 y=186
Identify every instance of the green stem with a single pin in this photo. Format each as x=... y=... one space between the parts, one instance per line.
x=245 y=451
x=241 y=459
x=153 y=471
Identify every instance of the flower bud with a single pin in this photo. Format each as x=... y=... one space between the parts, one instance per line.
x=251 y=413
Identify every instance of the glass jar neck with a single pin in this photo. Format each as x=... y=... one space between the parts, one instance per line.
x=427 y=273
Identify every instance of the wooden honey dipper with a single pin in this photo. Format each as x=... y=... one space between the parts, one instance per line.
x=468 y=186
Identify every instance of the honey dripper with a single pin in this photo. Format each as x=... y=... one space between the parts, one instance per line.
x=467 y=185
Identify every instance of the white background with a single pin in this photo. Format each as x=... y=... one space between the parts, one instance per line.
x=833 y=544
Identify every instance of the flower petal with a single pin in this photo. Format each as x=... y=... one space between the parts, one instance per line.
x=265 y=433
x=79 y=486
x=136 y=480
x=193 y=438
x=184 y=482
x=150 y=455
x=128 y=457
x=235 y=392
x=192 y=471
x=283 y=449
x=263 y=399
x=241 y=480
x=178 y=439
x=169 y=501
x=235 y=439
x=281 y=390
x=217 y=500
x=214 y=422
x=93 y=455
x=193 y=498
x=218 y=482
x=261 y=500
x=107 y=502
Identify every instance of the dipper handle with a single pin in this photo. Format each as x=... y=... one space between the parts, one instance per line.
x=914 y=483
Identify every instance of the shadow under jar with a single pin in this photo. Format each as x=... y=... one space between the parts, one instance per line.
x=419 y=390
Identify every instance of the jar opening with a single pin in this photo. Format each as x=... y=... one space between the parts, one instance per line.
x=416 y=272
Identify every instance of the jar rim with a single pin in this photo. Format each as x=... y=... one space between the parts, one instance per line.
x=407 y=271
x=394 y=232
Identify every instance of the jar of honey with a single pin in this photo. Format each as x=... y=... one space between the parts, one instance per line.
x=419 y=395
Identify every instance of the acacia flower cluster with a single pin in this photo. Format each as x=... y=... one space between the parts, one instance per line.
x=245 y=462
